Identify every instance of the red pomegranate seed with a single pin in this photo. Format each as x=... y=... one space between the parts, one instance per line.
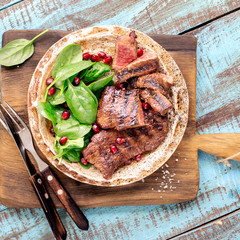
x=145 y=105
x=113 y=149
x=138 y=157
x=133 y=34
x=63 y=140
x=95 y=128
x=102 y=54
x=49 y=81
x=84 y=161
x=65 y=115
x=140 y=52
x=52 y=130
x=51 y=91
x=120 y=140
x=129 y=161
x=107 y=60
x=95 y=58
x=86 y=55
x=65 y=105
x=76 y=81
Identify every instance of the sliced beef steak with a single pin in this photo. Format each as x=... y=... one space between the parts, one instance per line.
x=126 y=51
x=143 y=65
x=137 y=140
x=155 y=81
x=157 y=100
x=120 y=109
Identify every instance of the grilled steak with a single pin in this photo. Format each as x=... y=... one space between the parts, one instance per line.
x=157 y=101
x=155 y=81
x=143 y=65
x=120 y=109
x=137 y=140
x=126 y=51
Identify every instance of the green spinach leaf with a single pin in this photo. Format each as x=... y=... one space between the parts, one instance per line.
x=57 y=98
x=68 y=71
x=71 y=128
x=53 y=113
x=101 y=83
x=70 y=54
x=97 y=71
x=82 y=102
x=17 y=51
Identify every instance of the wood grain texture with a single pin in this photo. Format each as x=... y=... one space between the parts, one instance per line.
x=166 y=17
x=218 y=76
x=180 y=189
x=227 y=227
x=219 y=186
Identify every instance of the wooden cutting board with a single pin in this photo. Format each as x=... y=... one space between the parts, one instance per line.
x=176 y=181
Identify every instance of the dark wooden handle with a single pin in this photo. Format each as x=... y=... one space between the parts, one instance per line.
x=65 y=198
x=48 y=207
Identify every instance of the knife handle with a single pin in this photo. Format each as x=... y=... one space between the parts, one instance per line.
x=48 y=207
x=77 y=215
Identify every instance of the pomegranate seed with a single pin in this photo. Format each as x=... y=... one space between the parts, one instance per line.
x=51 y=91
x=102 y=54
x=107 y=60
x=140 y=52
x=76 y=81
x=129 y=161
x=95 y=58
x=63 y=140
x=52 y=130
x=86 y=55
x=84 y=161
x=113 y=149
x=145 y=105
x=120 y=140
x=65 y=115
x=96 y=128
x=65 y=105
x=49 y=81
x=133 y=34
x=138 y=157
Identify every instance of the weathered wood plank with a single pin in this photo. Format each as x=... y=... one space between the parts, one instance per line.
x=219 y=194
x=218 y=76
x=8 y=3
x=167 y=17
x=227 y=227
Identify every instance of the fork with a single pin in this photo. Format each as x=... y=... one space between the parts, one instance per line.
x=24 y=141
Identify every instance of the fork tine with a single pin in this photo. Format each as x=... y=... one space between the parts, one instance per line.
x=10 y=116
x=5 y=126
x=16 y=115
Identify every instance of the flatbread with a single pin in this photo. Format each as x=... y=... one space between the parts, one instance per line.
x=103 y=38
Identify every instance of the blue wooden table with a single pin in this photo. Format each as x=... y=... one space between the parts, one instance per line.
x=215 y=213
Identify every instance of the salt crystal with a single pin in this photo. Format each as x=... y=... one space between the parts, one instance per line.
x=143 y=180
x=185 y=158
x=176 y=159
x=163 y=177
x=152 y=188
x=171 y=190
x=179 y=153
x=167 y=172
x=160 y=196
x=166 y=165
x=166 y=186
x=178 y=181
x=159 y=190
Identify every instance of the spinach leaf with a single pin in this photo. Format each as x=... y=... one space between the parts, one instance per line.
x=70 y=144
x=57 y=98
x=70 y=54
x=82 y=102
x=71 y=128
x=53 y=113
x=62 y=85
x=17 y=51
x=68 y=71
x=101 y=83
x=97 y=71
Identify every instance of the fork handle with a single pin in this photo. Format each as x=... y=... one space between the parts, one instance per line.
x=77 y=215
x=48 y=207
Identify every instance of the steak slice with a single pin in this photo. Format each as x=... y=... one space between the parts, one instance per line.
x=137 y=141
x=157 y=100
x=143 y=65
x=126 y=51
x=120 y=109
x=155 y=81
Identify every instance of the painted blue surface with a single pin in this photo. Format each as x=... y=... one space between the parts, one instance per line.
x=218 y=64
